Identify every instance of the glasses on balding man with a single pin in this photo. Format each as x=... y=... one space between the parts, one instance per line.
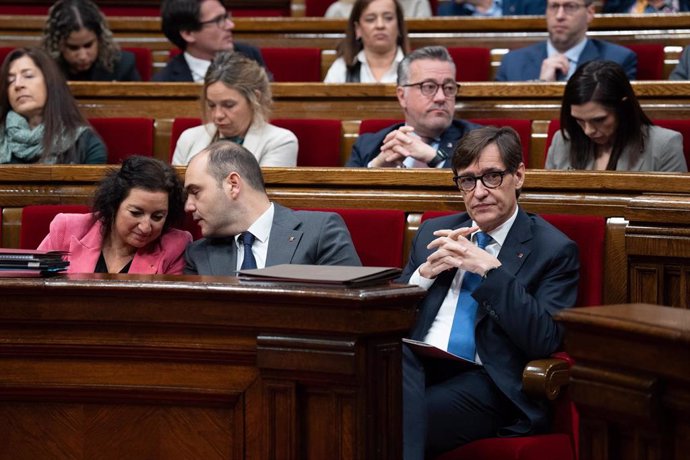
x=491 y=179
x=219 y=20
x=568 y=7
x=429 y=88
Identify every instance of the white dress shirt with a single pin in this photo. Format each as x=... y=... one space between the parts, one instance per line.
x=197 y=66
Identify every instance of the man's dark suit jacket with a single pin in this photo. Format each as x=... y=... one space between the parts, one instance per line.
x=125 y=69
x=538 y=277
x=297 y=237
x=524 y=64
x=510 y=8
x=177 y=69
x=368 y=145
x=623 y=6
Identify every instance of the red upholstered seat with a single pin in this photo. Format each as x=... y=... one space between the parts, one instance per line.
x=376 y=233
x=471 y=63
x=650 y=61
x=682 y=126
x=588 y=232
x=319 y=140
x=144 y=61
x=36 y=221
x=523 y=128
x=125 y=136
x=179 y=126
x=293 y=64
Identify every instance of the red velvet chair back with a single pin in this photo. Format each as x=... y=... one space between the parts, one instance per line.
x=4 y=51
x=471 y=63
x=650 y=61
x=293 y=64
x=319 y=140
x=316 y=7
x=372 y=125
x=523 y=128
x=179 y=126
x=36 y=221
x=143 y=60
x=125 y=136
x=376 y=233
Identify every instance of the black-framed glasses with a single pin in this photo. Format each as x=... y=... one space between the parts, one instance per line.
x=568 y=7
x=219 y=20
x=491 y=179
x=430 y=87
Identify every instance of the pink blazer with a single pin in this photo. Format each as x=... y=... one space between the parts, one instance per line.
x=78 y=234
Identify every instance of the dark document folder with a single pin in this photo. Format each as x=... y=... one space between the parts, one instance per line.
x=430 y=351
x=322 y=274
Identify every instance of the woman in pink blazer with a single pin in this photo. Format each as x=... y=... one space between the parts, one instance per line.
x=130 y=229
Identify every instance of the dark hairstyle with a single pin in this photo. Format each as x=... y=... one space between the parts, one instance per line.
x=177 y=15
x=61 y=116
x=225 y=157
x=472 y=144
x=350 y=45
x=605 y=83
x=433 y=53
x=67 y=16
x=245 y=76
x=138 y=172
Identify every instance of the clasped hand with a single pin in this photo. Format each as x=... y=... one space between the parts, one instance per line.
x=400 y=144
x=455 y=250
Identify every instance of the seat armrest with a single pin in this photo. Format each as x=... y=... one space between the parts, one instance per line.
x=545 y=377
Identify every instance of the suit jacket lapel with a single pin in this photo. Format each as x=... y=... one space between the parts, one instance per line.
x=84 y=252
x=284 y=237
x=222 y=257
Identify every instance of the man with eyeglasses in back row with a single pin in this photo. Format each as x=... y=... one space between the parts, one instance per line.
x=495 y=276
x=566 y=48
x=426 y=92
x=200 y=29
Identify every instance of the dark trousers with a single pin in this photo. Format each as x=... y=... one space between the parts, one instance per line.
x=445 y=406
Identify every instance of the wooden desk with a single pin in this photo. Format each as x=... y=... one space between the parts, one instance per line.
x=630 y=380
x=147 y=367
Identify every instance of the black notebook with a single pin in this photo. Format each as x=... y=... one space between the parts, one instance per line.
x=322 y=274
x=31 y=262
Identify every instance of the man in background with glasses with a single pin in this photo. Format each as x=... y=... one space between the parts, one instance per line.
x=566 y=48
x=495 y=275
x=426 y=92
x=200 y=29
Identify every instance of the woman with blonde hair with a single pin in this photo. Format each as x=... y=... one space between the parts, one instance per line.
x=236 y=102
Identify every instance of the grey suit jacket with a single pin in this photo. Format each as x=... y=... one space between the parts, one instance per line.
x=663 y=152
x=297 y=237
x=682 y=70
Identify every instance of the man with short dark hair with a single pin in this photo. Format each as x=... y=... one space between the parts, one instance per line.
x=495 y=276
x=242 y=228
x=426 y=92
x=566 y=48
x=200 y=29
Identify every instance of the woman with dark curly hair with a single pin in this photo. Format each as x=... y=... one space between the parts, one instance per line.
x=39 y=119
x=375 y=42
x=130 y=228
x=603 y=126
x=77 y=36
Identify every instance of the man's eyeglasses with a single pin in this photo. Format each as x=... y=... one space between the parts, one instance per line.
x=430 y=88
x=568 y=8
x=219 y=20
x=492 y=179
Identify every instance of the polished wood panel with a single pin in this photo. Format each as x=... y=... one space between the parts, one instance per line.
x=630 y=380
x=177 y=367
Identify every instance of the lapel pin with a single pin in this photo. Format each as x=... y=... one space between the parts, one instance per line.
x=291 y=239
x=519 y=254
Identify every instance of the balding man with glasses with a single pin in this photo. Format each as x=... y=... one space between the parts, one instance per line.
x=566 y=48
x=200 y=29
x=426 y=92
x=495 y=276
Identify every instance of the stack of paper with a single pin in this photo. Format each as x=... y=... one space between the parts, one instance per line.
x=30 y=262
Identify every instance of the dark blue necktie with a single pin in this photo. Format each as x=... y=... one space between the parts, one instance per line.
x=249 y=261
x=461 y=341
